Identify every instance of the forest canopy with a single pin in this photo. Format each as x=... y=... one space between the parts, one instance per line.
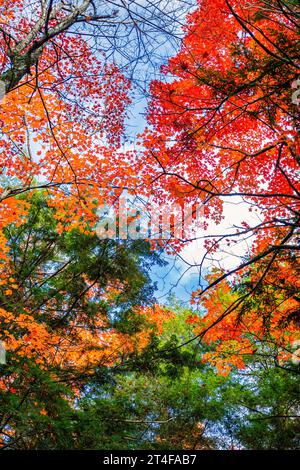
x=132 y=116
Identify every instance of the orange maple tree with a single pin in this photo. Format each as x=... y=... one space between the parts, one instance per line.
x=62 y=119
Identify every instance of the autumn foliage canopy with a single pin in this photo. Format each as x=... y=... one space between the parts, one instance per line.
x=225 y=125
x=222 y=125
